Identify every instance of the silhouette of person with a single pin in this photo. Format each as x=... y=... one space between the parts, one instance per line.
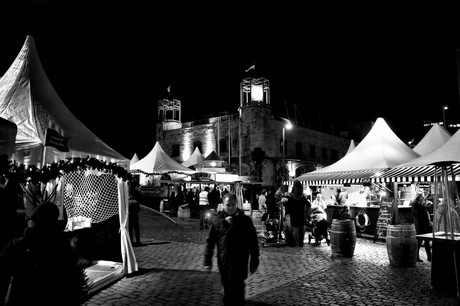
x=40 y=268
x=235 y=236
x=134 y=209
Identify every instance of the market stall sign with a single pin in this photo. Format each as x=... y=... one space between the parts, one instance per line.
x=54 y=139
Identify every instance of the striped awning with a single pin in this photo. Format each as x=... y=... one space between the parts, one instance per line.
x=385 y=175
x=340 y=177
x=413 y=174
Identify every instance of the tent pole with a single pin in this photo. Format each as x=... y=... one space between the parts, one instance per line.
x=44 y=157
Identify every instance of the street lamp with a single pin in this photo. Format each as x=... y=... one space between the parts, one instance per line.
x=444 y=108
x=288 y=126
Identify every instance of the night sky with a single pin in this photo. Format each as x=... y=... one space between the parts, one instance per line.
x=328 y=66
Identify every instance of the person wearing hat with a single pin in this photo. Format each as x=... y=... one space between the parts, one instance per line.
x=40 y=268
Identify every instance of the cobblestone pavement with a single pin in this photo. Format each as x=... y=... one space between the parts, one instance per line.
x=171 y=273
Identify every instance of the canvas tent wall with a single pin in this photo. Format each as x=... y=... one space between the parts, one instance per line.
x=378 y=151
x=28 y=99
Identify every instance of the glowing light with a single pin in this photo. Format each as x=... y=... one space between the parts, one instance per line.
x=257 y=93
x=187 y=146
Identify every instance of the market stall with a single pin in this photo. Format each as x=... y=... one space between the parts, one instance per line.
x=441 y=169
x=357 y=173
x=51 y=144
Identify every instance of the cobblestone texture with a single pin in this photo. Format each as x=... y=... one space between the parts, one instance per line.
x=171 y=273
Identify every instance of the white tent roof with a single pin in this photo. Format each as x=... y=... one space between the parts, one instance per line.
x=351 y=147
x=28 y=99
x=432 y=140
x=134 y=160
x=379 y=150
x=449 y=152
x=157 y=161
x=422 y=169
x=195 y=159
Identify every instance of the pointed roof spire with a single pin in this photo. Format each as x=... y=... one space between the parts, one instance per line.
x=28 y=99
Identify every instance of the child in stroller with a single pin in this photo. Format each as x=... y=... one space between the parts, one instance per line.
x=319 y=227
x=271 y=230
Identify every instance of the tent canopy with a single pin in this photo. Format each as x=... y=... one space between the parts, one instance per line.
x=449 y=152
x=157 y=161
x=351 y=147
x=134 y=160
x=422 y=169
x=194 y=160
x=379 y=150
x=432 y=140
x=28 y=99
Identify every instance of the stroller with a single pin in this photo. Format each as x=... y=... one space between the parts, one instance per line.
x=272 y=234
x=319 y=228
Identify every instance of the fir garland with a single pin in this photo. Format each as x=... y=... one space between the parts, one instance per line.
x=34 y=174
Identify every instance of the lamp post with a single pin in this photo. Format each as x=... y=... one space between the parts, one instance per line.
x=288 y=126
x=444 y=108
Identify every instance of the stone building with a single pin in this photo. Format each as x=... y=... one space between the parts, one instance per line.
x=251 y=140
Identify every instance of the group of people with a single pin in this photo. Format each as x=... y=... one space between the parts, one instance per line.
x=294 y=211
x=199 y=201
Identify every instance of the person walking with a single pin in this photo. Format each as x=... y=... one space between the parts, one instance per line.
x=203 y=205
x=134 y=209
x=422 y=222
x=235 y=236
x=297 y=211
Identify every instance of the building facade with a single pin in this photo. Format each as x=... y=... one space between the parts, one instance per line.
x=250 y=141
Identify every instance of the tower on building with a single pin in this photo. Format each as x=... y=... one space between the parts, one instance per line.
x=169 y=114
x=254 y=91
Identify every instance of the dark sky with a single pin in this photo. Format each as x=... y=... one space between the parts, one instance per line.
x=110 y=63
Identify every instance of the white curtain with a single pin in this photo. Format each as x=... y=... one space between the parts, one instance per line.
x=239 y=195
x=127 y=252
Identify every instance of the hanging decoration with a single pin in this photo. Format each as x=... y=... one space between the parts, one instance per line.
x=35 y=175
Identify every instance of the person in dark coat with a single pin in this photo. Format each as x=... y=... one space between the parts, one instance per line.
x=237 y=244
x=41 y=268
x=297 y=211
x=134 y=210
x=422 y=222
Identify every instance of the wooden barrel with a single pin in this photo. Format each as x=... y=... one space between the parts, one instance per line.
x=183 y=214
x=402 y=245
x=343 y=237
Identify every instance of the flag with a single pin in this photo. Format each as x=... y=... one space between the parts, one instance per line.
x=169 y=88
x=252 y=67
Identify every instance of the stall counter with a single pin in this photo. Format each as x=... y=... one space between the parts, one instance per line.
x=367 y=217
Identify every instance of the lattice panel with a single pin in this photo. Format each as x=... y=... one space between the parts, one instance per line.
x=90 y=194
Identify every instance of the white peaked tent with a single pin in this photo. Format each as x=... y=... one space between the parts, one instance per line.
x=432 y=140
x=379 y=150
x=351 y=147
x=157 y=161
x=134 y=160
x=28 y=99
x=449 y=152
x=194 y=160
x=422 y=169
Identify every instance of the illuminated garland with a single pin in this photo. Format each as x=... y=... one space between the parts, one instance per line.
x=161 y=173
x=55 y=170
